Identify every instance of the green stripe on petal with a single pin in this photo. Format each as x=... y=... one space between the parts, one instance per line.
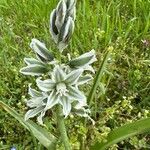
x=34 y=70
x=58 y=74
x=83 y=60
x=53 y=99
x=73 y=76
x=45 y=85
x=40 y=117
x=41 y=50
x=31 y=61
x=66 y=105
x=33 y=112
x=34 y=93
x=84 y=79
x=75 y=94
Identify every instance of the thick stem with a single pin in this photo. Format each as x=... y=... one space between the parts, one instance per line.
x=62 y=129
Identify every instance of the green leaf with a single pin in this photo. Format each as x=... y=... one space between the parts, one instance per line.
x=4 y=147
x=98 y=76
x=45 y=138
x=123 y=132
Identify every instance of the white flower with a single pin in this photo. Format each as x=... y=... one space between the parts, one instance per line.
x=37 y=103
x=41 y=65
x=61 y=88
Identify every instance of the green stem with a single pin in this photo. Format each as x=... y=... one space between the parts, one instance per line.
x=98 y=76
x=62 y=129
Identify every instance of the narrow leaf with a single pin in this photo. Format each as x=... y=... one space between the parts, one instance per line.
x=123 y=132
x=45 y=138
x=98 y=77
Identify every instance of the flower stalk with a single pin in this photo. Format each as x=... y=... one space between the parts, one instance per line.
x=62 y=128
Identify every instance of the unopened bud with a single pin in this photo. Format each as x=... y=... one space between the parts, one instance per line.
x=62 y=22
x=65 y=34
x=60 y=14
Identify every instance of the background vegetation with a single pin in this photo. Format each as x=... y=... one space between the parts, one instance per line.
x=123 y=93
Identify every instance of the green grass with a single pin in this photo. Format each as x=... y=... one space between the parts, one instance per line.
x=99 y=24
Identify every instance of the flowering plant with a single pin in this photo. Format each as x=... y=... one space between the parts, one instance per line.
x=58 y=82
x=62 y=85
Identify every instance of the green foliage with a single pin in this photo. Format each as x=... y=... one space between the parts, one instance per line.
x=123 y=93
x=45 y=138
x=124 y=132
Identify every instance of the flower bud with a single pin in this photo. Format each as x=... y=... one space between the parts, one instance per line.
x=62 y=23
x=53 y=29
x=71 y=9
x=40 y=49
x=60 y=14
x=65 y=34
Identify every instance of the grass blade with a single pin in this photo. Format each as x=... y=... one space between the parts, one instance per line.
x=99 y=76
x=124 y=132
x=46 y=139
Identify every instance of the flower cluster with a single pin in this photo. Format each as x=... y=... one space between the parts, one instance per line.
x=58 y=83
x=62 y=22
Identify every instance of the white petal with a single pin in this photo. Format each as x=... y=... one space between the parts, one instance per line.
x=53 y=99
x=65 y=34
x=75 y=94
x=66 y=28
x=35 y=102
x=60 y=14
x=33 y=112
x=31 y=61
x=33 y=70
x=83 y=60
x=45 y=85
x=58 y=74
x=66 y=106
x=34 y=93
x=79 y=105
x=53 y=28
x=72 y=12
x=89 y=68
x=84 y=79
x=73 y=76
x=41 y=49
x=40 y=118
